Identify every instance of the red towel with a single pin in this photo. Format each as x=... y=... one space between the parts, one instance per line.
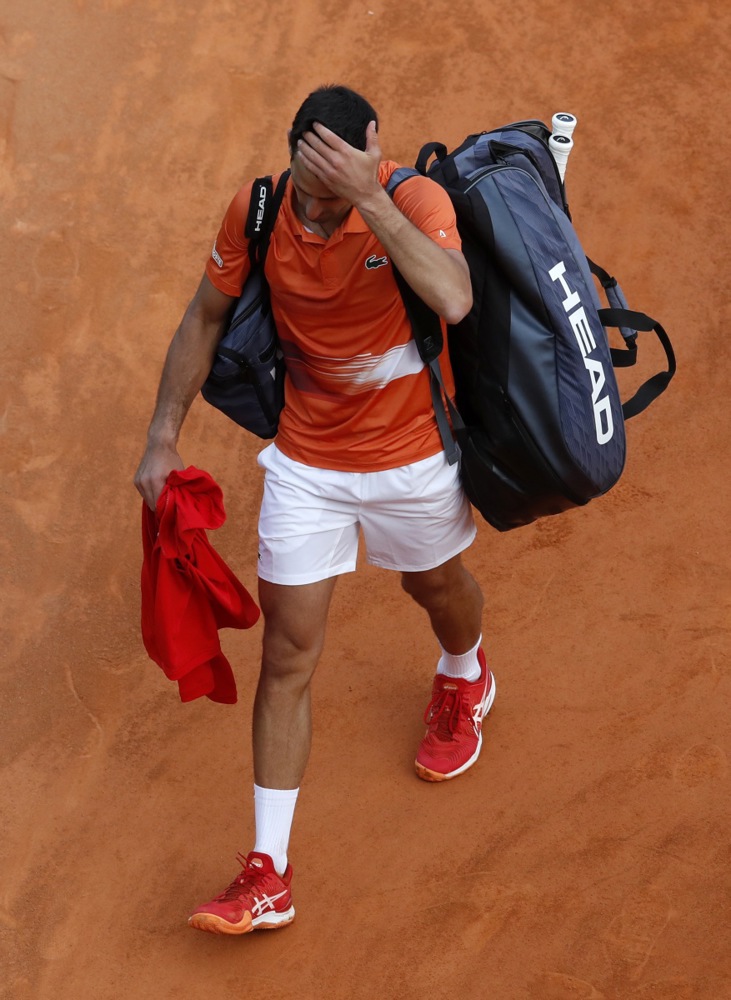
x=188 y=591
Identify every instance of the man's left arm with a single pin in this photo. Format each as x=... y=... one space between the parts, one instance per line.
x=439 y=276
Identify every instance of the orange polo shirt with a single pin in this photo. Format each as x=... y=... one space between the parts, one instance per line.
x=357 y=394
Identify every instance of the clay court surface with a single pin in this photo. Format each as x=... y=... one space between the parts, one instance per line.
x=587 y=855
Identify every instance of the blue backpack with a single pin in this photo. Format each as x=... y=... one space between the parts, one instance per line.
x=246 y=381
x=538 y=419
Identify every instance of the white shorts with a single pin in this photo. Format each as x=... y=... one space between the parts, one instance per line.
x=413 y=518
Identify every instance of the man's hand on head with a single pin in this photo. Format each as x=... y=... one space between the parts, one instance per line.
x=348 y=172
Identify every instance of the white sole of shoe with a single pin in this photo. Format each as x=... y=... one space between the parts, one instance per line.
x=270 y=921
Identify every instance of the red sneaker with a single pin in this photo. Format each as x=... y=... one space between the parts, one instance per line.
x=257 y=899
x=454 y=715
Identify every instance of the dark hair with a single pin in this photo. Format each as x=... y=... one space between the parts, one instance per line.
x=340 y=109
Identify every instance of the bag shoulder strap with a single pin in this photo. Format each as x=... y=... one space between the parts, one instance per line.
x=425 y=324
x=263 y=210
x=426 y=329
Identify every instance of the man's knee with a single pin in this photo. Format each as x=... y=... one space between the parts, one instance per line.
x=295 y=619
x=422 y=588
x=440 y=587
x=290 y=650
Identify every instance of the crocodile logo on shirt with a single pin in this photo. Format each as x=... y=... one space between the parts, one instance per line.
x=373 y=262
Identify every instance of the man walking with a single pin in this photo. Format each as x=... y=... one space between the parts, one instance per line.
x=357 y=449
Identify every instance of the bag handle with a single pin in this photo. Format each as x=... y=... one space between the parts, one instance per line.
x=428 y=150
x=630 y=323
x=658 y=383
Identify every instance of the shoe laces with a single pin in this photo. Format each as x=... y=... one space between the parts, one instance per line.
x=446 y=711
x=243 y=882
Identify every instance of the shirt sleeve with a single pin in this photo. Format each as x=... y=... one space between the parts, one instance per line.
x=430 y=208
x=228 y=266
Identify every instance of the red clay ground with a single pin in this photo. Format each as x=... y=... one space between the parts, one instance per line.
x=587 y=855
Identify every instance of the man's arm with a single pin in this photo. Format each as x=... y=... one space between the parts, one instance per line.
x=187 y=365
x=440 y=277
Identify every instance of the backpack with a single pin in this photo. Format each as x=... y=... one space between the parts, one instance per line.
x=540 y=422
x=246 y=381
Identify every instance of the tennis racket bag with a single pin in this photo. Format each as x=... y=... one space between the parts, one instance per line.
x=246 y=381
x=540 y=422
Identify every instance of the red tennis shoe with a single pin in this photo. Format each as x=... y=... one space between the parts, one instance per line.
x=257 y=899
x=454 y=715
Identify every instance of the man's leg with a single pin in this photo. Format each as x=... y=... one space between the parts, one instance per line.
x=294 y=631
x=308 y=536
x=464 y=687
x=295 y=619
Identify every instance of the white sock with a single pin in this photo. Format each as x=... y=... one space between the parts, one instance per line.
x=466 y=666
x=273 y=813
